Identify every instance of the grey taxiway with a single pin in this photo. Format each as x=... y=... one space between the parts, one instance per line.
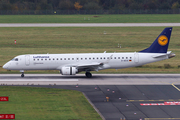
x=88 y=24
x=126 y=92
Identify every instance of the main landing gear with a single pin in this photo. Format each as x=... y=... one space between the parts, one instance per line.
x=88 y=75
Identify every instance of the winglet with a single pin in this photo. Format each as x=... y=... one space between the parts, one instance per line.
x=160 y=45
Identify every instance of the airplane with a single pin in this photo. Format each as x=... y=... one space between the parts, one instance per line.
x=71 y=64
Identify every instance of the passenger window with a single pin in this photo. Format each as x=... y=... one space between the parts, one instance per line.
x=85 y=58
x=34 y=59
x=101 y=58
x=41 y=59
x=97 y=58
x=16 y=59
x=118 y=57
x=68 y=58
x=104 y=58
x=89 y=58
x=64 y=58
x=81 y=58
x=114 y=57
x=93 y=58
x=57 y=58
x=126 y=57
x=107 y=57
x=122 y=57
x=72 y=58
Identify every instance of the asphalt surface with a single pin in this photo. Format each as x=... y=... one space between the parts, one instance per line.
x=125 y=97
x=87 y=24
x=124 y=100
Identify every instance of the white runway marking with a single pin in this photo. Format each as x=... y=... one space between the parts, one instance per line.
x=41 y=80
x=97 y=79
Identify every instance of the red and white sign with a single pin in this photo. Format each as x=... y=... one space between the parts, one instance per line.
x=165 y=103
x=7 y=116
x=172 y=103
x=14 y=41
x=146 y=104
x=4 y=98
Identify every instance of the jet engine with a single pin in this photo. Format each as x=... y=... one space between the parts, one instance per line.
x=68 y=70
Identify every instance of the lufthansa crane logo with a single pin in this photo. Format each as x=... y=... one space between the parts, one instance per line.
x=162 y=40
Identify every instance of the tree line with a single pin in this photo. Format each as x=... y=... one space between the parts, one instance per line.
x=88 y=4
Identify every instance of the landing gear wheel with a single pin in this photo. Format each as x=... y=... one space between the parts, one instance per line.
x=22 y=75
x=88 y=75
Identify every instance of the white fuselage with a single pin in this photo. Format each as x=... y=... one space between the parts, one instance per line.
x=57 y=61
x=70 y=64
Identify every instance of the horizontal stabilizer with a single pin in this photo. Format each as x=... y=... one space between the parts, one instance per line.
x=169 y=54
x=159 y=55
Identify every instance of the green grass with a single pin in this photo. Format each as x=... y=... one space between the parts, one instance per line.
x=87 y=40
x=119 y=18
x=32 y=103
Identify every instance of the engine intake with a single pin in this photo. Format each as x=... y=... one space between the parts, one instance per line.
x=68 y=70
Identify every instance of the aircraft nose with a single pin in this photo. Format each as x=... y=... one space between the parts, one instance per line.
x=6 y=66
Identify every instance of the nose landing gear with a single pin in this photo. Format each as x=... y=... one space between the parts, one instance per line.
x=22 y=73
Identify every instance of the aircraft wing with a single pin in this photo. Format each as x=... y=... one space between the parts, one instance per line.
x=85 y=67
x=90 y=67
x=94 y=66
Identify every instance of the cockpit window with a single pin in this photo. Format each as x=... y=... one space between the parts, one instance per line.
x=14 y=59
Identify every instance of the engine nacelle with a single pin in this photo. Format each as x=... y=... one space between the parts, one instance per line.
x=68 y=70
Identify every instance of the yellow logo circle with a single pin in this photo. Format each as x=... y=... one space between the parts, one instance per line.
x=162 y=40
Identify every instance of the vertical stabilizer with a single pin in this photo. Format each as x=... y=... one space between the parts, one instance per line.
x=160 y=45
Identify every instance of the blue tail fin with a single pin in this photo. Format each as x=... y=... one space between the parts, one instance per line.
x=160 y=45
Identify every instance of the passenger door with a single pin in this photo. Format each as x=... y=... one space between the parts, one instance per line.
x=136 y=57
x=27 y=60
